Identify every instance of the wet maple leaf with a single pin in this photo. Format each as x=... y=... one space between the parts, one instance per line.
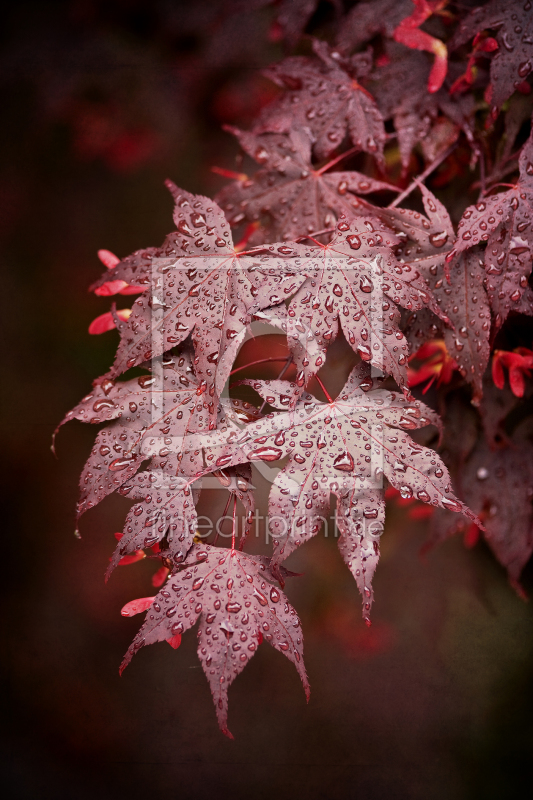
x=513 y=61
x=399 y=88
x=354 y=282
x=306 y=346
x=496 y=484
x=239 y=607
x=155 y=406
x=167 y=513
x=293 y=196
x=499 y=405
x=427 y=239
x=343 y=447
x=390 y=279
x=198 y=285
x=467 y=342
x=325 y=101
x=467 y=336
x=504 y=222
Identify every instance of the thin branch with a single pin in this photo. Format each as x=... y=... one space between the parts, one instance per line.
x=500 y=171
x=285 y=368
x=422 y=177
x=280 y=376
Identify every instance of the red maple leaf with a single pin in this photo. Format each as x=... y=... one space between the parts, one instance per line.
x=325 y=101
x=356 y=283
x=399 y=87
x=513 y=61
x=466 y=338
x=198 y=285
x=288 y=193
x=503 y=221
x=166 y=404
x=167 y=514
x=496 y=484
x=238 y=606
x=343 y=447
x=389 y=280
x=467 y=342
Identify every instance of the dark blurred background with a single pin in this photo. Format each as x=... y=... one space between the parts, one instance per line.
x=101 y=101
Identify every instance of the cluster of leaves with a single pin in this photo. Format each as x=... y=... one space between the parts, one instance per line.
x=369 y=253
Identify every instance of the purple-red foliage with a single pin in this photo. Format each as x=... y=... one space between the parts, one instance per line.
x=426 y=290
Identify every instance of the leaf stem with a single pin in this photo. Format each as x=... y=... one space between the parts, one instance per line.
x=315 y=241
x=505 y=185
x=422 y=177
x=223 y=515
x=482 y=175
x=321 y=384
x=233 y=530
x=315 y=233
x=336 y=160
x=229 y=173
x=254 y=363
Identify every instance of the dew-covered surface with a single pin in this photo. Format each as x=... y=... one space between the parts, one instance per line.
x=288 y=191
x=513 y=62
x=434 y=700
x=328 y=113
